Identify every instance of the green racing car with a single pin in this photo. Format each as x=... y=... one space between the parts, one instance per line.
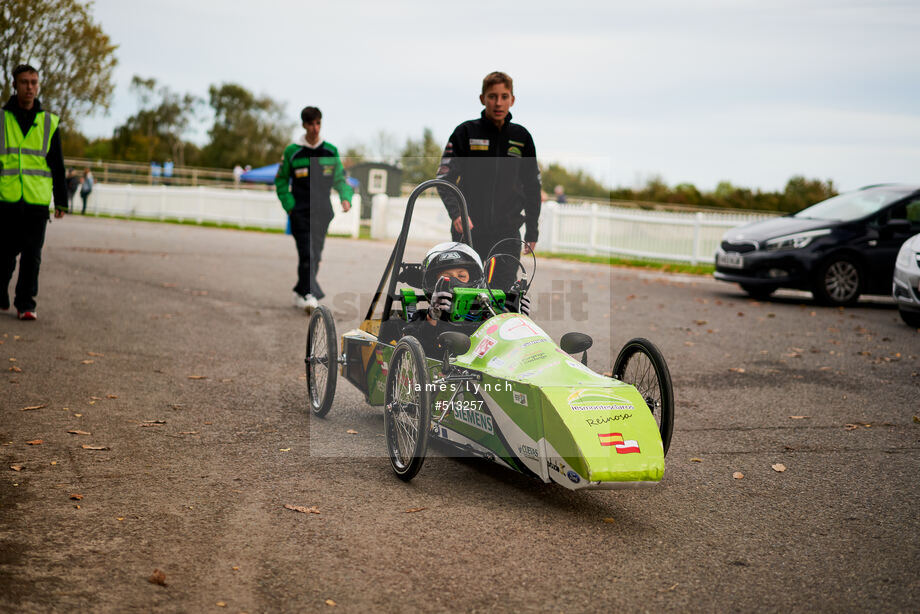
x=498 y=387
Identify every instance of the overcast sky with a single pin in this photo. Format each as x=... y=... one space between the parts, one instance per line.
x=751 y=92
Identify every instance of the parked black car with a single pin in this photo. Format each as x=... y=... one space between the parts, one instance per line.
x=837 y=249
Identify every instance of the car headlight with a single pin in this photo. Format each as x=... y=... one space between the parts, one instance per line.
x=906 y=254
x=797 y=240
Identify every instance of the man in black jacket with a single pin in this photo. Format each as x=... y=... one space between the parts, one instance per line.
x=31 y=176
x=494 y=163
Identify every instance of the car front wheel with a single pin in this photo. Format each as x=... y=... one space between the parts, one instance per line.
x=838 y=282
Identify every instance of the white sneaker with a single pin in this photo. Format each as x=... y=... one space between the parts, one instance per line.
x=300 y=302
x=312 y=303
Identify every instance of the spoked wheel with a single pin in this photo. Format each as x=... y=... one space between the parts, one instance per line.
x=321 y=361
x=407 y=408
x=641 y=364
x=838 y=282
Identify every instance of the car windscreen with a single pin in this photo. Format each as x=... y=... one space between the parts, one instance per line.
x=853 y=205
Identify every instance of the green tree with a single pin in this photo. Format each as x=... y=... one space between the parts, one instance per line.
x=74 y=57
x=574 y=182
x=420 y=158
x=157 y=130
x=248 y=129
x=801 y=192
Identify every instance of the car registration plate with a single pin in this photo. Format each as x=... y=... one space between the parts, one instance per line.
x=731 y=260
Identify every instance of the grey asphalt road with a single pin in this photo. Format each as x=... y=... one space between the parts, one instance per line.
x=176 y=349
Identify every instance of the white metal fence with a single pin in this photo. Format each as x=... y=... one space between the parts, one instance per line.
x=589 y=229
x=241 y=208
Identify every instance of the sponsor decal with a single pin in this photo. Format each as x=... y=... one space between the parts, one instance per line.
x=607 y=419
x=479 y=144
x=519 y=397
x=514 y=152
x=574 y=477
x=474 y=418
x=532 y=358
x=491 y=330
x=302 y=172
x=529 y=452
x=378 y=355
x=622 y=446
x=519 y=328
x=497 y=362
x=518 y=143
x=450 y=256
x=327 y=171
x=534 y=342
x=484 y=346
x=443 y=169
x=552 y=465
x=597 y=400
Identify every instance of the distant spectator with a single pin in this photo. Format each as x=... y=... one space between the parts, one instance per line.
x=73 y=184
x=237 y=173
x=168 y=168
x=156 y=171
x=86 y=188
x=559 y=193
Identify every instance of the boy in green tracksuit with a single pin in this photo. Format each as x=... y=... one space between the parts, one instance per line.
x=309 y=169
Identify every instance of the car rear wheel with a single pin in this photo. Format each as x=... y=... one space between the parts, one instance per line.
x=321 y=361
x=641 y=365
x=838 y=282
x=758 y=292
x=911 y=318
x=407 y=408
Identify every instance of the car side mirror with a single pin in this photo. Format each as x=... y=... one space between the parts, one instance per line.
x=454 y=343
x=572 y=343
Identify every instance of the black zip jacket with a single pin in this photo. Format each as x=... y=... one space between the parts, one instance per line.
x=55 y=157
x=496 y=169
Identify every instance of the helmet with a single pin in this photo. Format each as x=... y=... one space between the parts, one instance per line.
x=445 y=256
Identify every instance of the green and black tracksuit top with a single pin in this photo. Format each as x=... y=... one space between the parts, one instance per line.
x=496 y=169
x=306 y=177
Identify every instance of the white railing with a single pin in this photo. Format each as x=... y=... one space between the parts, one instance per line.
x=590 y=229
x=241 y=208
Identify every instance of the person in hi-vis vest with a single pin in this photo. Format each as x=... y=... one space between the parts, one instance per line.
x=31 y=175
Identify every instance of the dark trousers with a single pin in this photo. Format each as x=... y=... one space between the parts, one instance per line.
x=22 y=233
x=506 y=263
x=310 y=236
x=85 y=197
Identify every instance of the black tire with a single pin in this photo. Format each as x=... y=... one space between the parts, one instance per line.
x=641 y=364
x=838 y=282
x=321 y=361
x=758 y=292
x=911 y=318
x=407 y=408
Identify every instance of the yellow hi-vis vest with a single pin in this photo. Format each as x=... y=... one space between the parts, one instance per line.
x=24 y=172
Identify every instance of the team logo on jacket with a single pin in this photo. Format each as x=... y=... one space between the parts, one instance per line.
x=514 y=152
x=479 y=144
x=622 y=446
x=302 y=172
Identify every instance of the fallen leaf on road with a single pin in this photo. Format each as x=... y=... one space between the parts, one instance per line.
x=696 y=460
x=284 y=449
x=15 y=369
x=352 y=432
x=221 y=604
x=79 y=433
x=88 y=361
x=31 y=407
x=120 y=518
x=86 y=447
x=111 y=396
x=737 y=475
x=797 y=417
x=53 y=463
x=235 y=568
x=78 y=415
x=412 y=510
x=917 y=419
x=610 y=520
x=779 y=467
x=331 y=603
x=158 y=577
x=76 y=497
x=700 y=322
x=94 y=354
x=850 y=427
x=198 y=377
x=736 y=370
x=12 y=360
x=35 y=442
x=302 y=509
x=16 y=467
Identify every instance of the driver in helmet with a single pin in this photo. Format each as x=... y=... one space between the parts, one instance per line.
x=447 y=266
